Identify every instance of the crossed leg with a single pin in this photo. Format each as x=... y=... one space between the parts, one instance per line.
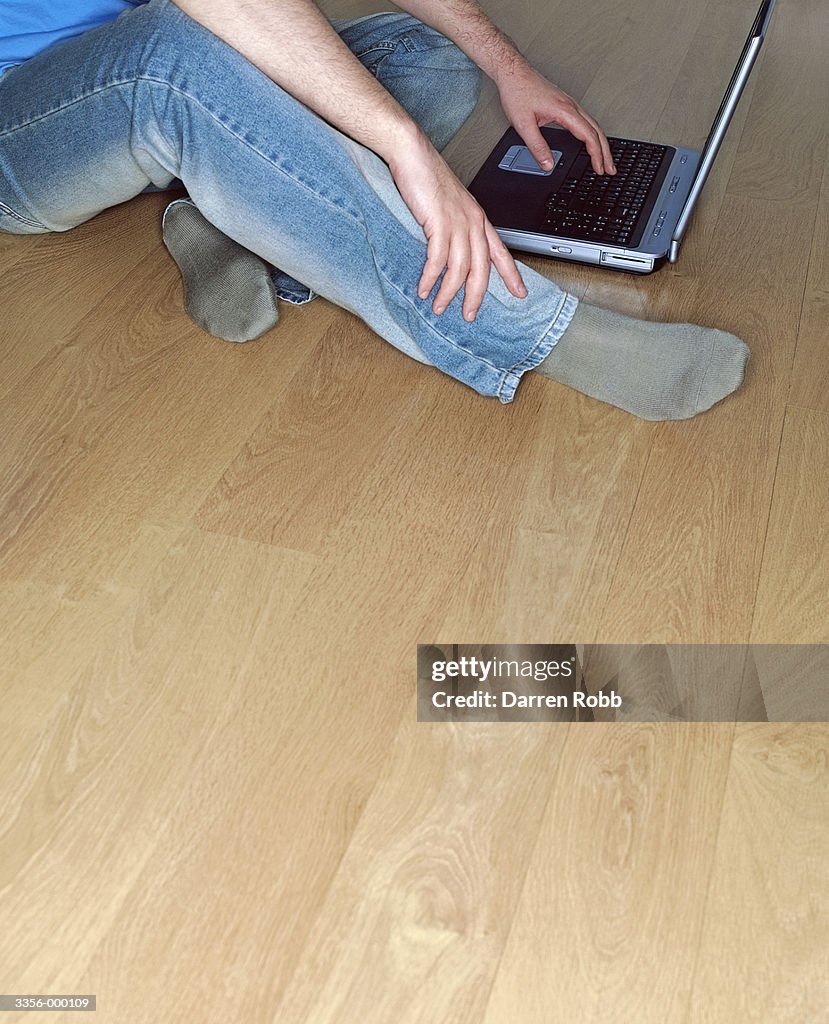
x=230 y=292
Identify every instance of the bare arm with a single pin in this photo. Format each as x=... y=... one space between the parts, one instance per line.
x=295 y=46
x=528 y=99
x=468 y=26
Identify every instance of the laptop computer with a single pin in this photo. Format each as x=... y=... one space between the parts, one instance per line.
x=634 y=221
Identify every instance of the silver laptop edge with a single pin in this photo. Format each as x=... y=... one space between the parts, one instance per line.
x=722 y=122
x=678 y=195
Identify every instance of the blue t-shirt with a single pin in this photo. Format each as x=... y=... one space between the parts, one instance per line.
x=29 y=26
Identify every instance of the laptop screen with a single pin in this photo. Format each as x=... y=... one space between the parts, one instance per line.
x=723 y=118
x=758 y=31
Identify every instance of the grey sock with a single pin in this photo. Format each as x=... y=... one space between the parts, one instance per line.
x=653 y=370
x=227 y=289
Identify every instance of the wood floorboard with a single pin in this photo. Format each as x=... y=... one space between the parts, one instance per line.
x=763 y=951
x=717 y=532
x=14 y=248
x=647 y=53
x=55 y=280
x=316 y=445
x=545 y=566
x=96 y=792
x=618 y=879
x=216 y=561
x=434 y=902
x=304 y=789
x=810 y=373
x=793 y=590
x=101 y=421
x=714 y=535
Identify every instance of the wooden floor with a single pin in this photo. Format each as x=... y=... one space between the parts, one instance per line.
x=216 y=561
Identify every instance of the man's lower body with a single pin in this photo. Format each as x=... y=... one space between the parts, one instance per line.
x=153 y=97
x=231 y=293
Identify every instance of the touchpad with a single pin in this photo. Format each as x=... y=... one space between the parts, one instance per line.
x=520 y=159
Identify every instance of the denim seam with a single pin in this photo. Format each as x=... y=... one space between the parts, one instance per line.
x=23 y=220
x=271 y=159
x=65 y=106
x=386 y=47
x=441 y=42
x=512 y=376
x=390 y=47
x=408 y=45
x=520 y=366
x=454 y=344
x=133 y=82
x=502 y=373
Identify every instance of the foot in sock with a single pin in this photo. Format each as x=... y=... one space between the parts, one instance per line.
x=227 y=289
x=653 y=370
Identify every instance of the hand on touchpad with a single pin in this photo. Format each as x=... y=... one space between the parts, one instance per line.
x=520 y=159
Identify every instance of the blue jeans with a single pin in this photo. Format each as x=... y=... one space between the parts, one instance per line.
x=154 y=96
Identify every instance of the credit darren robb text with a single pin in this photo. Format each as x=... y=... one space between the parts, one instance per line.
x=623 y=682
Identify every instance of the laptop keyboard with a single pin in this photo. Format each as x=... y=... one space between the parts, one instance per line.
x=602 y=208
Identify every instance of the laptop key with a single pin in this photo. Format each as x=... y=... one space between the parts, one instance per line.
x=600 y=208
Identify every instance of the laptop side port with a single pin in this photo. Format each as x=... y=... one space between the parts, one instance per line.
x=642 y=264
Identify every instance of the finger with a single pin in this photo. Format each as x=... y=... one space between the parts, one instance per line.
x=610 y=166
x=457 y=270
x=478 y=279
x=582 y=129
x=536 y=144
x=505 y=264
x=437 y=253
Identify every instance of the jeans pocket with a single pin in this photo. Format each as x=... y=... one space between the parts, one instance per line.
x=13 y=223
x=374 y=56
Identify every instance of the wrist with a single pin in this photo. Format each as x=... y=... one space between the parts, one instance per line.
x=510 y=69
x=506 y=63
x=405 y=140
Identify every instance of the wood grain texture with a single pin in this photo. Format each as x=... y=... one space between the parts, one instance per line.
x=763 y=954
x=95 y=793
x=431 y=877
x=614 y=896
x=810 y=373
x=86 y=267
x=793 y=592
x=315 y=446
x=216 y=561
x=540 y=570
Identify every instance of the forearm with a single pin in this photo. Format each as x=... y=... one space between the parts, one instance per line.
x=468 y=27
x=528 y=99
x=294 y=45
